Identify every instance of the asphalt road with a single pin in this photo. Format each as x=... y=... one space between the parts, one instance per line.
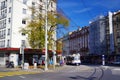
x=72 y=73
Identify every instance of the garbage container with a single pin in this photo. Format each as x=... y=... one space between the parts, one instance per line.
x=35 y=65
x=26 y=65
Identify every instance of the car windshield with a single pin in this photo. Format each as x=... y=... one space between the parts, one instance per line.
x=76 y=58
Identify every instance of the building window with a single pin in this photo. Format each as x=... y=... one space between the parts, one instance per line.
x=4 y=43
x=9 y=20
x=24 y=11
x=5 y=22
x=8 y=32
x=41 y=8
x=118 y=40
x=23 y=21
x=24 y=1
x=9 y=9
x=23 y=43
x=10 y=1
x=40 y=0
x=8 y=43
x=33 y=3
x=0 y=34
x=4 y=33
x=5 y=11
x=23 y=34
x=51 y=4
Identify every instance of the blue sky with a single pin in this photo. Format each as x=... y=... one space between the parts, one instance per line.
x=83 y=11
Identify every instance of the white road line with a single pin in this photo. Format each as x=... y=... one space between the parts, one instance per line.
x=118 y=69
x=22 y=77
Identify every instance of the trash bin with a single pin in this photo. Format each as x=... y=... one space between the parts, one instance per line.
x=26 y=65
x=35 y=65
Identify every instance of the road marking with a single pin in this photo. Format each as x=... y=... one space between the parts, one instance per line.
x=10 y=75
x=118 y=69
x=22 y=77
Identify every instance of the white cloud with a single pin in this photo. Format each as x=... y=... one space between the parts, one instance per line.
x=68 y=4
x=82 y=10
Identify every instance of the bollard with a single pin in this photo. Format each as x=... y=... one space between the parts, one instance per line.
x=103 y=60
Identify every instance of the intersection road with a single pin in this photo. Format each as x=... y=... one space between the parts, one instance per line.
x=72 y=73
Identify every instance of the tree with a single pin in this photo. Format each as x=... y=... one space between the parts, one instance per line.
x=36 y=28
x=55 y=19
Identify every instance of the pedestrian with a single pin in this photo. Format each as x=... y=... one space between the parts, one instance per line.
x=61 y=62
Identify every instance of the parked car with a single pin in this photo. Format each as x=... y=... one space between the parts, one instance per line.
x=116 y=62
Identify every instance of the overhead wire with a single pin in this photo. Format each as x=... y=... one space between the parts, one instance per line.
x=85 y=6
x=69 y=18
x=62 y=13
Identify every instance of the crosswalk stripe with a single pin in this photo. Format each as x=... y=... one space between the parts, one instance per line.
x=21 y=76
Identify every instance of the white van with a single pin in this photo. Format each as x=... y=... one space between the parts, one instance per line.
x=73 y=59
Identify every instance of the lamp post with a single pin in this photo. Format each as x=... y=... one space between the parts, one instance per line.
x=46 y=36
x=54 y=54
x=22 y=52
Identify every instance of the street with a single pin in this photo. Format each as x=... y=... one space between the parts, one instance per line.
x=81 y=72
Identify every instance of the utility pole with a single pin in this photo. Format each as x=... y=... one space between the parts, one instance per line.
x=22 y=52
x=22 y=57
x=46 y=36
x=54 y=54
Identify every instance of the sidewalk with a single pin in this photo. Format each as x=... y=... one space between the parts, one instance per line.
x=4 y=69
x=41 y=69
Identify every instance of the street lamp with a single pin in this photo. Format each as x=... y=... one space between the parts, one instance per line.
x=22 y=52
x=46 y=24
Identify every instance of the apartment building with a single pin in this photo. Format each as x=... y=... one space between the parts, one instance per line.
x=65 y=45
x=116 y=27
x=98 y=36
x=13 y=17
x=79 y=41
x=104 y=38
